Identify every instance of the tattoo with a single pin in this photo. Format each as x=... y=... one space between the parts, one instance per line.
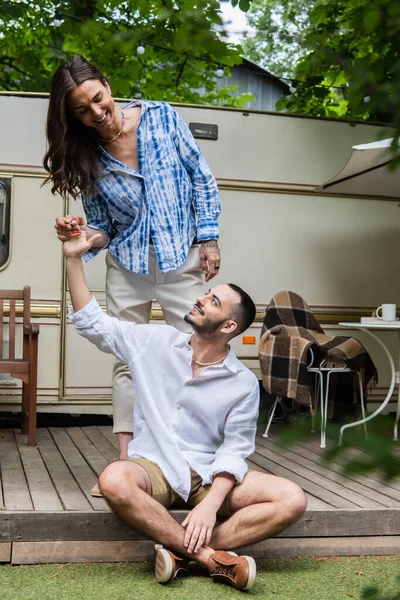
x=211 y=246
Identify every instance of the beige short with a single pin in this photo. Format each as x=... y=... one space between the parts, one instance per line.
x=165 y=495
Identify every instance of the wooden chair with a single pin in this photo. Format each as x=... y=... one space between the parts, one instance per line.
x=24 y=368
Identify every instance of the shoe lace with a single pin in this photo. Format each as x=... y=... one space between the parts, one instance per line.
x=221 y=569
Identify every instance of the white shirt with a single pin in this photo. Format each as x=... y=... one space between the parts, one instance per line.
x=206 y=423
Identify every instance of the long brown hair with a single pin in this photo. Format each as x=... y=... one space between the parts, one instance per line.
x=72 y=158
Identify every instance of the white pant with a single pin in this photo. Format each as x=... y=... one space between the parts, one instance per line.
x=129 y=297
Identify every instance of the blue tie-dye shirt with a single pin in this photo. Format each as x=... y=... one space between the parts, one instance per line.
x=173 y=198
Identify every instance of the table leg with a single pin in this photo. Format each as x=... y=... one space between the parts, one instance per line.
x=397 y=419
x=386 y=400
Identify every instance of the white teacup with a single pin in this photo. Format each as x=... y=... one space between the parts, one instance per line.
x=388 y=312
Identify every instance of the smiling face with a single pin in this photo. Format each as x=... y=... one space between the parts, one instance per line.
x=92 y=104
x=213 y=311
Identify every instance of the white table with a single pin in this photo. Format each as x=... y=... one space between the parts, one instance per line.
x=368 y=328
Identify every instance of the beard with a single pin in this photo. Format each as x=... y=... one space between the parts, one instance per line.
x=208 y=326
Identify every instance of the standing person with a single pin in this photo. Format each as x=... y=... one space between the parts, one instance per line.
x=148 y=194
x=195 y=426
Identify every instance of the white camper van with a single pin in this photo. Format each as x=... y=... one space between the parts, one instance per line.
x=342 y=254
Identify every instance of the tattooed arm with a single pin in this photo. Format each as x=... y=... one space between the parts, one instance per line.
x=210 y=258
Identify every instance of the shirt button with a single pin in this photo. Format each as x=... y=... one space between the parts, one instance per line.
x=178 y=407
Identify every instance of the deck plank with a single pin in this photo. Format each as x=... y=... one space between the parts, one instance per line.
x=107 y=431
x=26 y=526
x=43 y=494
x=5 y=552
x=102 y=444
x=372 y=480
x=16 y=494
x=337 y=546
x=2 y=507
x=274 y=466
x=90 y=453
x=32 y=553
x=339 y=494
x=28 y=553
x=356 y=492
x=70 y=494
x=78 y=466
x=390 y=488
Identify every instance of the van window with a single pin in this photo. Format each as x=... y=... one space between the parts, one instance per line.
x=5 y=220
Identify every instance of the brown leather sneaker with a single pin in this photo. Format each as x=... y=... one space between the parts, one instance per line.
x=237 y=571
x=167 y=564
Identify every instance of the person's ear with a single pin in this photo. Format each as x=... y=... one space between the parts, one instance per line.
x=229 y=327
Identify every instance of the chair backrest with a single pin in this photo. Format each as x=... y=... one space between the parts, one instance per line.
x=8 y=307
x=290 y=310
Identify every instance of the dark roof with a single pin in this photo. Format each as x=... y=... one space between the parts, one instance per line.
x=249 y=65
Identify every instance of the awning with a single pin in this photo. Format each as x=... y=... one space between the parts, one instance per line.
x=366 y=173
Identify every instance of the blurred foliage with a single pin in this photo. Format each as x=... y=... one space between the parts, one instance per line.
x=108 y=32
x=377 y=452
x=279 y=27
x=351 y=63
x=358 y=455
x=373 y=593
x=343 y=57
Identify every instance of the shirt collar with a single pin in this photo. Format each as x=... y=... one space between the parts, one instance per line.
x=145 y=104
x=231 y=361
x=183 y=339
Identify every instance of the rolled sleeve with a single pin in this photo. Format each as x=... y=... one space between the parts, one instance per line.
x=206 y=200
x=109 y=334
x=97 y=217
x=239 y=438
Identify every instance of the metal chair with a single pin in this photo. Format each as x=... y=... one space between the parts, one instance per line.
x=321 y=395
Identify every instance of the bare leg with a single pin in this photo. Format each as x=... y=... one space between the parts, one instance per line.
x=125 y=485
x=262 y=506
x=123 y=440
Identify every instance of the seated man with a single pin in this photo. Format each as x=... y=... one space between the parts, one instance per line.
x=195 y=424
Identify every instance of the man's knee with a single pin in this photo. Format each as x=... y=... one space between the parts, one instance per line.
x=294 y=503
x=117 y=482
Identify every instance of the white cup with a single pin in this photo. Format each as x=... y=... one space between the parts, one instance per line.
x=388 y=312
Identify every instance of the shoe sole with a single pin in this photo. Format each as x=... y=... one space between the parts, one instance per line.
x=252 y=572
x=96 y=492
x=163 y=566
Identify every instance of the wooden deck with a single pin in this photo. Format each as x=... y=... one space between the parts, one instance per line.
x=48 y=515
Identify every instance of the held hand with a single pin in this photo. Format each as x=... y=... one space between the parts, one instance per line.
x=76 y=246
x=199 y=525
x=68 y=227
x=210 y=258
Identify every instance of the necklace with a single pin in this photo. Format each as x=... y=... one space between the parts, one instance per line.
x=201 y=364
x=119 y=132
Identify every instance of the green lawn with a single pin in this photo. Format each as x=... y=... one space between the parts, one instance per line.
x=281 y=579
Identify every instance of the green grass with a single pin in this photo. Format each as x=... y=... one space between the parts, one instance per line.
x=280 y=579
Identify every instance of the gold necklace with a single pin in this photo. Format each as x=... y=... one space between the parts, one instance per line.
x=119 y=132
x=201 y=364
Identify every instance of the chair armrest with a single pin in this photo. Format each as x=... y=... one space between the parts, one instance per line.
x=31 y=329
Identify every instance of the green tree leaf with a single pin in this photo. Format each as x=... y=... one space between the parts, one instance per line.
x=371 y=18
x=176 y=35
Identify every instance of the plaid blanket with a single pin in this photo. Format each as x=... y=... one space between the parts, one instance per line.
x=289 y=331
